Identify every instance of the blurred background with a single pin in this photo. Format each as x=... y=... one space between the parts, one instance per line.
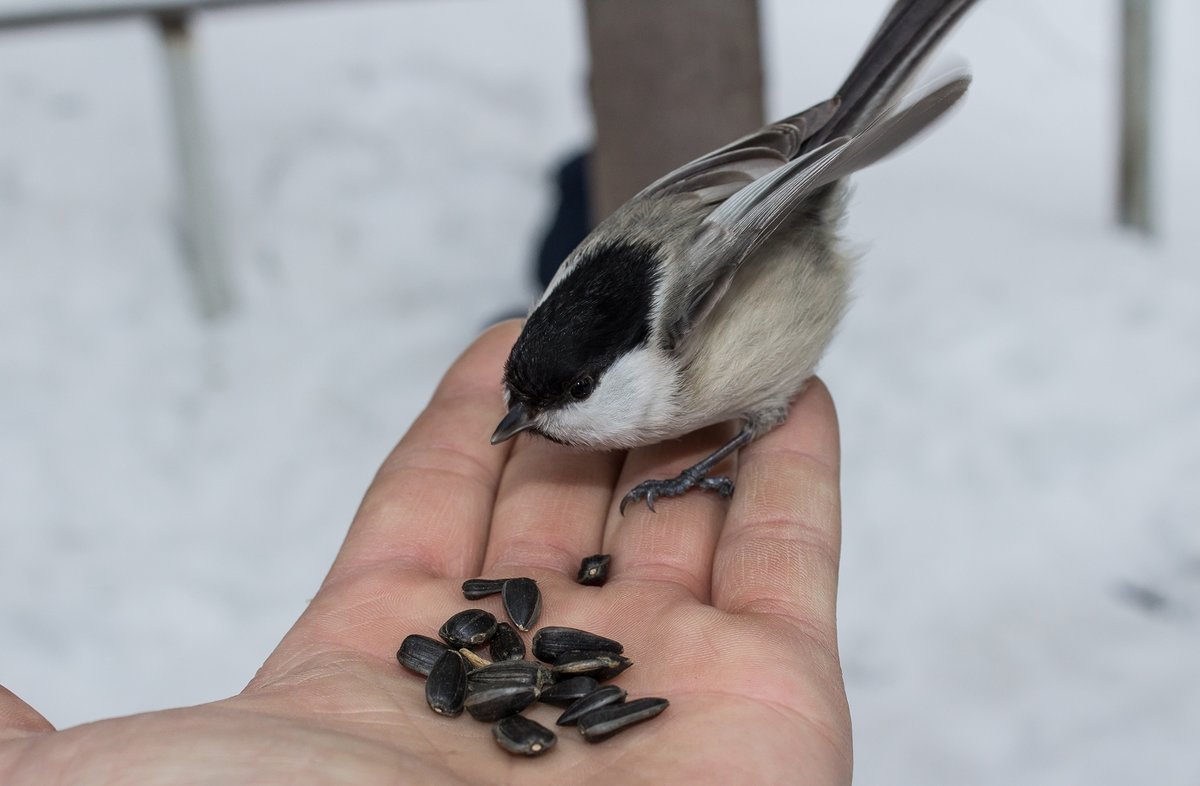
x=1017 y=380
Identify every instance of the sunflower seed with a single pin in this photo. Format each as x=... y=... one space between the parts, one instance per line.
x=446 y=686
x=551 y=642
x=600 y=697
x=511 y=672
x=473 y=660
x=495 y=702
x=518 y=734
x=507 y=644
x=468 y=628
x=604 y=722
x=593 y=570
x=522 y=602
x=474 y=589
x=418 y=653
x=601 y=665
x=570 y=690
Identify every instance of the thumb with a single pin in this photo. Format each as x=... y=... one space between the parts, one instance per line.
x=18 y=719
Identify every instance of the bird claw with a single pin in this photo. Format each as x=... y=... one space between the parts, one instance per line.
x=651 y=490
x=720 y=484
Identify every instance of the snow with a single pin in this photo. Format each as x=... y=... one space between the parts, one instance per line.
x=1017 y=382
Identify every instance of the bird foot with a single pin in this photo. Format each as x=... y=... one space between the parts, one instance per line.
x=687 y=480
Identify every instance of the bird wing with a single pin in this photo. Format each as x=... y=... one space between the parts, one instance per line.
x=718 y=175
x=745 y=220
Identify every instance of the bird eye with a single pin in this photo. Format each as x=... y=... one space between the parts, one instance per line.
x=582 y=388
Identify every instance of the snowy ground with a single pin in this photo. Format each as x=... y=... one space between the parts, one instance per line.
x=1017 y=381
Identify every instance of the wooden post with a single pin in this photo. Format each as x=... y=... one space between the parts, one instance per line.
x=1134 y=198
x=671 y=80
x=200 y=225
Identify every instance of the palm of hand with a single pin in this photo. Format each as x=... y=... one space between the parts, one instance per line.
x=726 y=609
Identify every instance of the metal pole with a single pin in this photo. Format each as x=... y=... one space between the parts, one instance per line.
x=200 y=226
x=1134 y=197
x=65 y=12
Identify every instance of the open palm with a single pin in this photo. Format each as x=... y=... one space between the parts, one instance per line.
x=725 y=607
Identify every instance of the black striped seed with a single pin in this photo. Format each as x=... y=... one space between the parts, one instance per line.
x=552 y=641
x=511 y=672
x=468 y=628
x=493 y=703
x=418 y=653
x=474 y=589
x=601 y=665
x=507 y=644
x=522 y=602
x=446 y=685
x=568 y=691
x=602 y=723
x=601 y=697
x=520 y=735
x=593 y=570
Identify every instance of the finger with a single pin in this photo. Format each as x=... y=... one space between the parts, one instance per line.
x=429 y=506
x=550 y=508
x=675 y=542
x=18 y=719
x=778 y=553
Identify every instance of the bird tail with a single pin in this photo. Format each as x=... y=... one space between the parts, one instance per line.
x=910 y=31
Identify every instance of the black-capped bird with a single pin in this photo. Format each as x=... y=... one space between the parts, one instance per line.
x=712 y=294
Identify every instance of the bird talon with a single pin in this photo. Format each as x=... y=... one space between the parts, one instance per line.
x=636 y=494
x=721 y=484
x=653 y=490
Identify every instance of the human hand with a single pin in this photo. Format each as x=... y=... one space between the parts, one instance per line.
x=725 y=607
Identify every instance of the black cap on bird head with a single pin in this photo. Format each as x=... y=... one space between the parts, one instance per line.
x=599 y=311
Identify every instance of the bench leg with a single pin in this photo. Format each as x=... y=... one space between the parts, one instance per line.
x=200 y=230
x=1135 y=182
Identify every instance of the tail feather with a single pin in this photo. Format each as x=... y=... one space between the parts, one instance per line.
x=910 y=31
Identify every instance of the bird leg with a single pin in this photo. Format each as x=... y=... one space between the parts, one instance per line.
x=695 y=476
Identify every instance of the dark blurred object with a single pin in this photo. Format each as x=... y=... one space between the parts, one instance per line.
x=572 y=217
x=1143 y=598
x=670 y=81
x=1135 y=207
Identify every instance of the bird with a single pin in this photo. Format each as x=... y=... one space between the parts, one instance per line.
x=711 y=295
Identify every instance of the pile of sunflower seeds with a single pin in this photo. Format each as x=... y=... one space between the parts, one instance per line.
x=569 y=667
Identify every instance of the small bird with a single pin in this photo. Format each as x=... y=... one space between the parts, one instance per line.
x=712 y=294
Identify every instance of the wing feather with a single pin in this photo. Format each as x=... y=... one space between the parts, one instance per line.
x=747 y=218
x=745 y=160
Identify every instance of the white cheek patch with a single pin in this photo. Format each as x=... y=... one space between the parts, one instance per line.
x=633 y=403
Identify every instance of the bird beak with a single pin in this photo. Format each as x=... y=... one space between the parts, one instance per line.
x=517 y=420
